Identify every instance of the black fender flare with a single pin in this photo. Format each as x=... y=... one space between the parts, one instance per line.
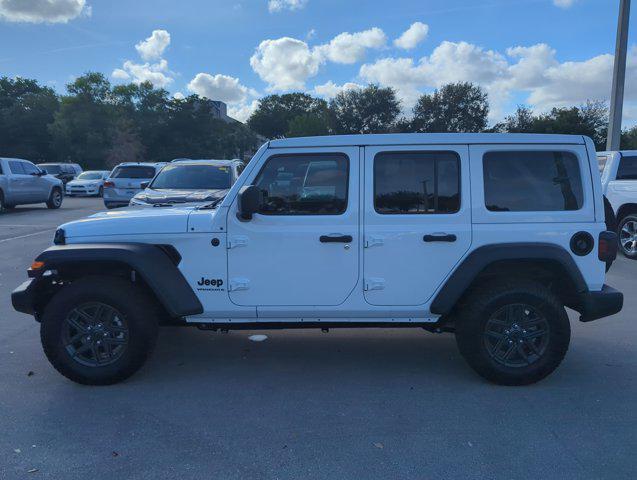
x=155 y=264
x=481 y=258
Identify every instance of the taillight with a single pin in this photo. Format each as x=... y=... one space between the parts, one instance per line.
x=109 y=185
x=607 y=246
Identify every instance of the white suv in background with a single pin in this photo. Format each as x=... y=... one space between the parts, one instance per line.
x=126 y=180
x=619 y=184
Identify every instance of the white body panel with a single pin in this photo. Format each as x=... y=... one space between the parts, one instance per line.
x=619 y=192
x=274 y=269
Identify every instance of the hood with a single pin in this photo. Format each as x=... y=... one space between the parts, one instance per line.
x=173 y=195
x=131 y=221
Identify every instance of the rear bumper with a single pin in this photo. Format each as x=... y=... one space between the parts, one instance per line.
x=595 y=305
x=23 y=297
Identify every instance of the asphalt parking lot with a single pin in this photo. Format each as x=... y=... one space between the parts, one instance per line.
x=364 y=404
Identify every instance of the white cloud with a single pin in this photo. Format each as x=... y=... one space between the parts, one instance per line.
x=42 y=11
x=534 y=71
x=350 y=48
x=155 y=73
x=154 y=46
x=243 y=111
x=285 y=63
x=329 y=90
x=178 y=96
x=280 y=5
x=218 y=87
x=563 y=3
x=415 y=34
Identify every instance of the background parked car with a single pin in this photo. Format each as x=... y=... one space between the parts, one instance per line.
x=64 y=171
x=619 y=185
x=22 y=182
x=77 y=167
x=126 y=180
x=187 y=181
x=89 y=183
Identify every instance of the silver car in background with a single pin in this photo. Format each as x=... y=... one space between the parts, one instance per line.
x=190 y=181
x=126 y=180
x=89 y=183
x=23 y=183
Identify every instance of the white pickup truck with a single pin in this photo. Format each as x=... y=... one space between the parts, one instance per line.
x=619 y=185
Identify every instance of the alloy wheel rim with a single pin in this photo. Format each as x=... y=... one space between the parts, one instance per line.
x=516 y=335
x=57 y=198
x=628 y=237
x=95 y=334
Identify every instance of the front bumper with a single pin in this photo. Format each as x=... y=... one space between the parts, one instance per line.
x=594 y=305
x=23 y=298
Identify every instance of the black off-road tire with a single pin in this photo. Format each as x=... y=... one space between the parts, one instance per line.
x=55 y=198
x=478 y=313
x=140 y=314
x=629 y=222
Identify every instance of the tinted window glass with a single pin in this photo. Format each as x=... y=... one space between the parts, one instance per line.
x=29 y=168
x=134 y=171
x=192 y=177
x=627 y=169
x=532 y=181
x=51 y=169
x=304 y=185
x=90 y=176
x=16 y=167
x=416 y=182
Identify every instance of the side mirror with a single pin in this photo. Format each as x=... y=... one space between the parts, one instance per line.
x=144 y=185
x=249 y=202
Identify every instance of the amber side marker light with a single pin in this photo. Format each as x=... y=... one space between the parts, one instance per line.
x=36 y=269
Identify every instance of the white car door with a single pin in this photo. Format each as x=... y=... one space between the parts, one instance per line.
x=303 y=247
x=417 y=220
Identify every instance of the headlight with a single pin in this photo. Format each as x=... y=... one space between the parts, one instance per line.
x=137 y=201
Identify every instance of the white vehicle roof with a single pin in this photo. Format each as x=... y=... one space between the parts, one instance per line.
x=623 y=152
x=146 y=164
x=426 y=139
x=211 y=161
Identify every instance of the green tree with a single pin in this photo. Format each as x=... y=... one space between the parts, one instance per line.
x=629 y=139
x=369 y=110
x=26 y=108
x=307 y=125
x=83 y=127
x=275 y=112
x=456 y=107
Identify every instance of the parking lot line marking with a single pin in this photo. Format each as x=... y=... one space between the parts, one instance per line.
x=24 y=236
x=13 y=226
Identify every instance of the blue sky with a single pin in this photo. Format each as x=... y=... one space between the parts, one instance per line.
x=538 y=52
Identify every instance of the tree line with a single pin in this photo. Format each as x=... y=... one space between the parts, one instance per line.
x=99 y=125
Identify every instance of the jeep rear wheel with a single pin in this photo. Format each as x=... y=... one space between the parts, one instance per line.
x=627 y=236
x=513 y=333
x=99 y=330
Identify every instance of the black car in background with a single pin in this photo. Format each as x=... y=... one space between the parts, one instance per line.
x=64 y=171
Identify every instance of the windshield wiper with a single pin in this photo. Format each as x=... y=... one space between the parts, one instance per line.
x=212 y=204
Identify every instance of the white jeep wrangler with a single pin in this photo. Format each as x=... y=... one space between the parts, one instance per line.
x=488 y=236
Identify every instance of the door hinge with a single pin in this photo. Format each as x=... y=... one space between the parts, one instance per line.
x=237 y=241
x=237 y=284
x=374 y=284
x=373 y=240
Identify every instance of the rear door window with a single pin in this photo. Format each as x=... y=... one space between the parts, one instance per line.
x=627 y=169
x=134 y=171
x=526 y=181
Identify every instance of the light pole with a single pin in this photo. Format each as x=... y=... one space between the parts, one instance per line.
x=619 y=76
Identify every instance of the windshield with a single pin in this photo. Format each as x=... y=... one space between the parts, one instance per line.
x=192 y=177
x=90 y=176
x=52 y=169
x=134 y=171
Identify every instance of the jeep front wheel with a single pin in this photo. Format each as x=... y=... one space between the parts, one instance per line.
x=99 y=330
x=513 y=333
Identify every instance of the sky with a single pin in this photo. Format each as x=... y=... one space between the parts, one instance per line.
x=541 y=53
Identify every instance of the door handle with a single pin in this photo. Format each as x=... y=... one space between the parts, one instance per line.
x=336 y=239
x=440 y=237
